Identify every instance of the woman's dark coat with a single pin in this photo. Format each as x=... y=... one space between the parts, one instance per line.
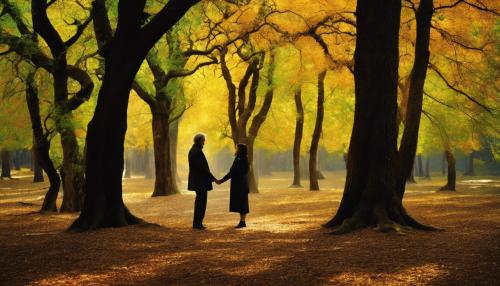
x=238 y=199
x=200 y=178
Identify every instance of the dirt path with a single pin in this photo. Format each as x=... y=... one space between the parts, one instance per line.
x=283 y=244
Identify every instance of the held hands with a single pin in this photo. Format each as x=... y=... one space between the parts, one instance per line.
x=218 y=182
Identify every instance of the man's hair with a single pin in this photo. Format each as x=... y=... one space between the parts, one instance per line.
x=198 y=138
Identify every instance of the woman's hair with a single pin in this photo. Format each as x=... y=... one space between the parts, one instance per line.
x=242 y=149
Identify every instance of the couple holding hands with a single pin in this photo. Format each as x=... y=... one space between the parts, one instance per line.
x=200 y=181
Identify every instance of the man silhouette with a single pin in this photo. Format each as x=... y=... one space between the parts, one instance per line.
x=200 y=179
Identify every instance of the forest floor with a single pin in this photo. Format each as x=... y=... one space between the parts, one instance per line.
x=282 y=245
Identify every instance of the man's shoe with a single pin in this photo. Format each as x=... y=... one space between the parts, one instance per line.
x=199 y=227
x=241 y=224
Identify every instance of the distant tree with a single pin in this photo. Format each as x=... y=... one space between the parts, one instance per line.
x=299 y=127
x=5 y=156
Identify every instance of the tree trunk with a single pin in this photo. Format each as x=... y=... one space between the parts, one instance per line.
x=103 y=205
x=409 y=140
x=452 y=173
x=174 y=138
x=148 y=171
x=411 y=178
x=470 y=165
x=420 y=168
x=370 y=196
x=5 y=163
x=164 y=180
x=41 y=146
x=443 y=164
x=72 y=168
x=124 y=53
x=427 y=172
x=252 y=180
x=313 y=150
x=127 y=174
x=16 y=160
x=299 y=129
x=37 y=169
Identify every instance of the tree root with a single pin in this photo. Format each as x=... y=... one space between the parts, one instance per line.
x=380 y=218
x=350 y=225
x=337 y=220
x=99 y=220
x=413 y=223
x=295 y=186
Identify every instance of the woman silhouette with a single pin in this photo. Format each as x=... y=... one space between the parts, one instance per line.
x=238 y=199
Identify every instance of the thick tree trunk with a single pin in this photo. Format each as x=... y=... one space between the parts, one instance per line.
x=72 y=169
x=37 y=169
x=5 y=154
x=299 y=129
x=313 y=150
x=452 y=173
x=41 y=146
x=103 y=205
x=165 y=183
x=470 y=165
x=370 y=196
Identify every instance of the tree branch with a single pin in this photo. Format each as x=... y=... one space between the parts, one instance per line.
x=80 y=27
x=443 y=78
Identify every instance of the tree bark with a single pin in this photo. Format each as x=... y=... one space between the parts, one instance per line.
x=174 y=139
x=409 y=140
x=5 y=154
x=313 y=150
x=443 y=164
x=37 y=169
x=420 y=168
x=411 y=178
x=72 y=166
x=165 y=183
x=127 y=173
x=16 y=160
x=452 y=173
x=370 y=196
x=299 y=129
x=72 y=169
x=41 y=145
x=427 y=172
x=103 y=205
x=148 y=172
